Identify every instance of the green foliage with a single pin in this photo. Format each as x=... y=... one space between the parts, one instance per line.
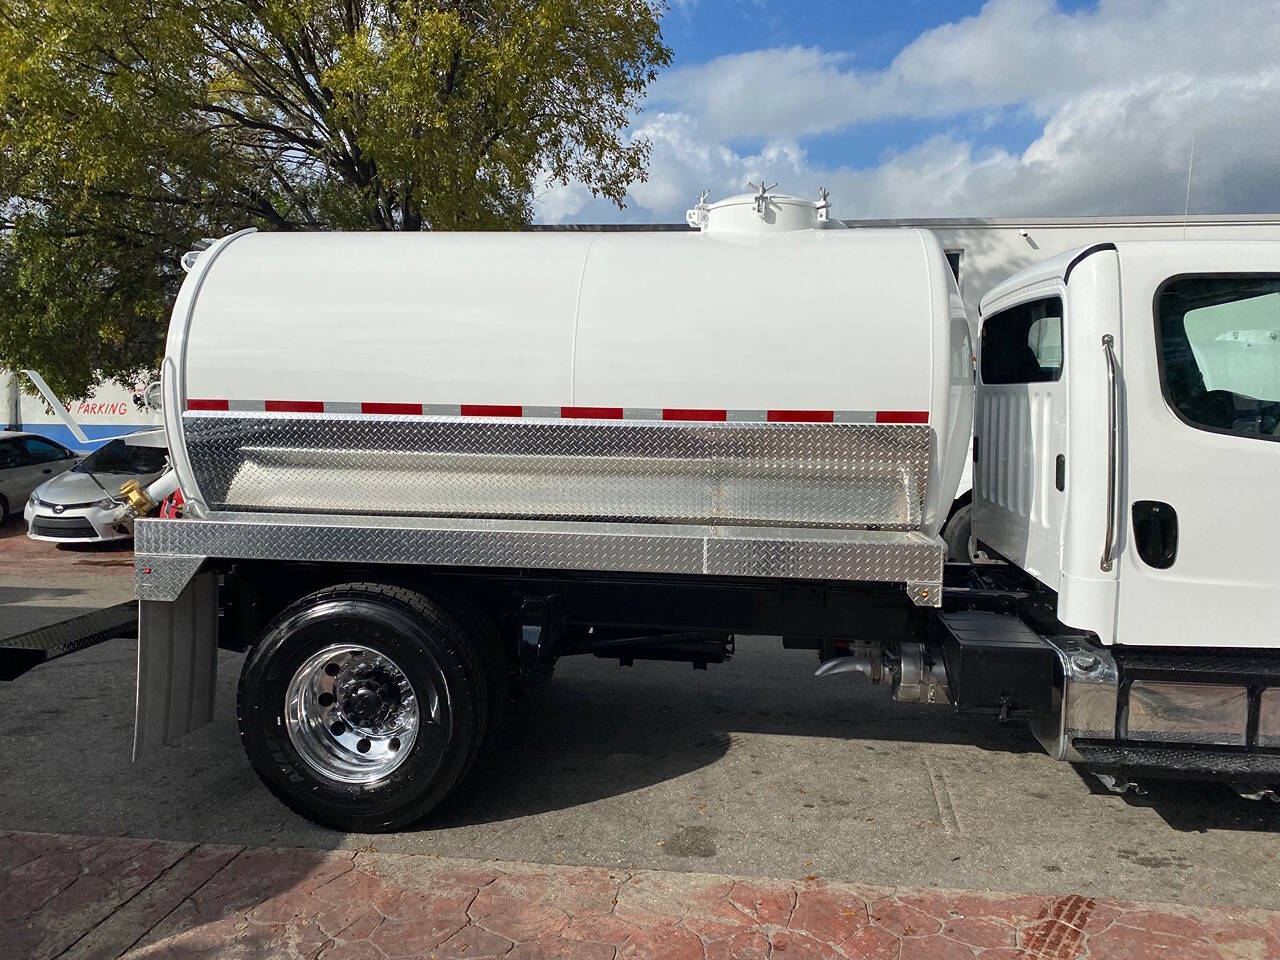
x=129 y=129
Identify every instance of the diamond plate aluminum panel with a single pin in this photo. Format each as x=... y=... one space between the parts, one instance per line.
x=162 y=577
x=894 y=560
x=856 y=555
x=792 y=474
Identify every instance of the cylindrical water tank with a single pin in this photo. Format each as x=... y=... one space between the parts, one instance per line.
x=750 y=372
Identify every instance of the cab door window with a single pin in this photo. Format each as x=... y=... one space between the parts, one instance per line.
x=1023 y=344
x=1219 y=352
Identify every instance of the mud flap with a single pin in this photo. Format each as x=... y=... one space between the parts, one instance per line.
x=177 y=664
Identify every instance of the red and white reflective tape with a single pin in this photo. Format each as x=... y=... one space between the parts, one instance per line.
x=498 y=410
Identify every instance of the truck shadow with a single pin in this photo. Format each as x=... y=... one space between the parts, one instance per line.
x=760 y=732
x=593 y=732
x=1193 y=806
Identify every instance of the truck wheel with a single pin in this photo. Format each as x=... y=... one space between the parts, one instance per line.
x=956 y=534
x=363 y=705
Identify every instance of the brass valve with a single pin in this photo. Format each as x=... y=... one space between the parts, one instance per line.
x=139 y=503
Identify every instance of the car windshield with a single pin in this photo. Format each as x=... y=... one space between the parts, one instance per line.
x=120 y=457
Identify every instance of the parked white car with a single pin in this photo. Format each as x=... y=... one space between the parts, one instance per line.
x=77 y=506
x=26 y=461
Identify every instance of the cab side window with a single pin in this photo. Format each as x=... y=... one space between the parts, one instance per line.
x=44 y=451
x=1023 y=344
x=1219 y=352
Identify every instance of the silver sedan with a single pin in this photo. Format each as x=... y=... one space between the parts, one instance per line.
x=77 y=507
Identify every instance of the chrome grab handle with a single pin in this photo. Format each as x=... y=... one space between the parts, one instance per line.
x=1113 y=432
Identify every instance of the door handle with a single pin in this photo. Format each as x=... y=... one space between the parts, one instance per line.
x=1113 y=433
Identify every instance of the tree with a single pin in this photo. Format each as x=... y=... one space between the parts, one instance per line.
x=129 y=129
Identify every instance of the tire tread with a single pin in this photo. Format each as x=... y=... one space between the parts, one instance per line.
x=451 y=632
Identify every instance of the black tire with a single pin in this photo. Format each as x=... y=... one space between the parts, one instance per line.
x=956 y=534
x=492 y=655
x=427 y=643
x=4 y=508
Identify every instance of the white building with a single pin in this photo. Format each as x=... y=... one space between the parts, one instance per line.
x=111 y=410
x=984 y=252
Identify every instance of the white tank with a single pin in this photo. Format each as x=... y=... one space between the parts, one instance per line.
x=767 y=368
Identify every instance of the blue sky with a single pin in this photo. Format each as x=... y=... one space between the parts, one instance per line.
x=964 y=108
x=871 y=33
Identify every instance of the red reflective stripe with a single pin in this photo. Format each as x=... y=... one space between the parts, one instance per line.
x=678 y=414
x=902 y=416
x=568 y=413
x=293 y=406
x=491 y=410
x=412 y=409
x=591 y=413
x=800 y=416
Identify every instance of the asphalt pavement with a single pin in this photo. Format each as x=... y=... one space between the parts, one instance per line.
x=43 y=583
x=750 y=768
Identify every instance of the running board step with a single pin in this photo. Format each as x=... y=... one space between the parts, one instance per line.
x=1233 y=667
x=1180 y=761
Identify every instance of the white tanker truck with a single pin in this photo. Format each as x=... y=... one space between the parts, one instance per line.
x=416 y=470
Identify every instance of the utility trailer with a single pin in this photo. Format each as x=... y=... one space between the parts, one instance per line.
x=417 y=470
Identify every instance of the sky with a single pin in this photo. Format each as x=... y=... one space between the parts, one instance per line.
x=960 y=108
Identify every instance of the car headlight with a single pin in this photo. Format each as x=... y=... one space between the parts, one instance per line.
x=106 y=504
x=33 y=499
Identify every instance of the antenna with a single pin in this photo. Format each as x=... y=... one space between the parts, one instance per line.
x=1191 y=163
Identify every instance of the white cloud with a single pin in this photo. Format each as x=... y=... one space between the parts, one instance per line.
x=1012 y=52
x=1118 y=91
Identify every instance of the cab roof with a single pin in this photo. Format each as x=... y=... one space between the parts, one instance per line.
x=1057 y=268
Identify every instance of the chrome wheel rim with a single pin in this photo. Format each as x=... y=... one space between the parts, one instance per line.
x=352 y=714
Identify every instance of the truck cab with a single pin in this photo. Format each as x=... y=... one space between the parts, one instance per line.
x=1127 y=447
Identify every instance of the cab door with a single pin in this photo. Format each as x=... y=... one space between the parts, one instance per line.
x=1020 y=429
x=1198 y=549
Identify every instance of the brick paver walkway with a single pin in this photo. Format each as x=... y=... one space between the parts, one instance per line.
x=91 y=897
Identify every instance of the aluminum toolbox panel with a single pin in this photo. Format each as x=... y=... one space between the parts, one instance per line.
x=907 y=557
x=776 y=474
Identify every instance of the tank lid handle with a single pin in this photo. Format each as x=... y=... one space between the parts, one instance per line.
x=699 y=216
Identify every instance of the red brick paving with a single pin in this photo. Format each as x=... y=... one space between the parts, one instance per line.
x=89 y=897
